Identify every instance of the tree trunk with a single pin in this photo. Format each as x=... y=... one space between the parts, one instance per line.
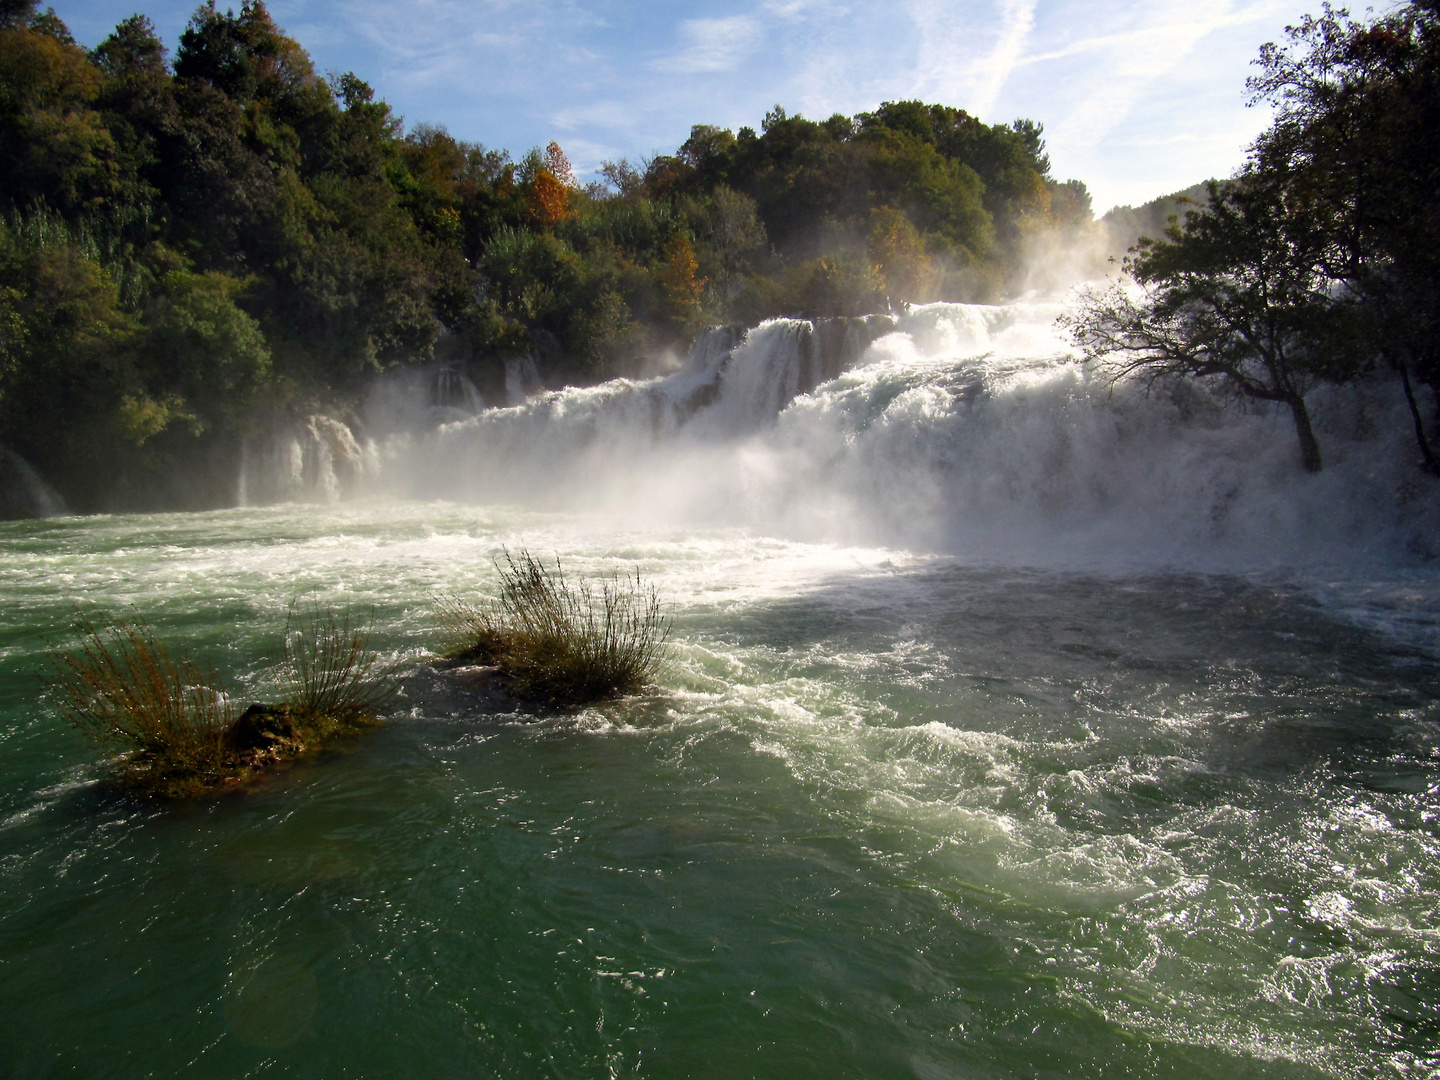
x=1425 y=451
x=1309 y=447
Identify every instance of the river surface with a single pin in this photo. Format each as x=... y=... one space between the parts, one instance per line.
x=886 y=815
x=1014 y=730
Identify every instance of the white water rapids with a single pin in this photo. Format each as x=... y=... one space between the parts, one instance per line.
x=966 y=430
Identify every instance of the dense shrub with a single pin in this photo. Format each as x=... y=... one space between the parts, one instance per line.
x=329 y=671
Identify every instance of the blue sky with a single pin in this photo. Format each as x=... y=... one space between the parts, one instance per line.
x=1137 y=98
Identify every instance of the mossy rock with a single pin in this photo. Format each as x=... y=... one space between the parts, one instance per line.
x=264 y=738
x=273 y=731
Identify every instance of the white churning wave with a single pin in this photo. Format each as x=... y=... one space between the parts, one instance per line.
x=965 y=429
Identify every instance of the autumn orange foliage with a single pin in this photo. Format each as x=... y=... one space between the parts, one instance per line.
x=550 y=201
x=677 y=275
x=558 y=165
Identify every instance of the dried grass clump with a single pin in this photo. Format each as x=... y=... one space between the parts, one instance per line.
x=164 y=721
x=559 y=642
x=330 y=672
x=172 y=729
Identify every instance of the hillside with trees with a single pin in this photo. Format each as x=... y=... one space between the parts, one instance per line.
x=1123 y=227
x=191 y=246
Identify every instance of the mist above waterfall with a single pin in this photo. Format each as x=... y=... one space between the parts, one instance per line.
x=965 y=429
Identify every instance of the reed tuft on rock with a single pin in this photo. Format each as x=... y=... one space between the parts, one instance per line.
x=172 y=729
x=329 y=669
x=560 y=642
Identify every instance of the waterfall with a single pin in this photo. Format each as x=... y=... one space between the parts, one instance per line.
x=522 y=379
x=951 y=427
x=320 y=458
x=419 y=398
x=23 y=494
x=453 y=395
x=317 y=459
x=785 y=358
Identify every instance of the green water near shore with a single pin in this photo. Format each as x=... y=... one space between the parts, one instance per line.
x=886 y=815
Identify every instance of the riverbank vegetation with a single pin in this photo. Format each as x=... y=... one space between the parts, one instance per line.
x=172 y=729
x=193 y=246
x=556 y=641
x=1319 y=262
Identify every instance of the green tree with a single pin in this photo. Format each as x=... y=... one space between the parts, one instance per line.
x=54 y=147
x=71 y=350
x=204 y=353
x=1354 y=138
x=1233 y=296
x=733 y=231
x=897 y=251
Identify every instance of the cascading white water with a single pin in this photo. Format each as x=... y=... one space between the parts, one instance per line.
x=1040 y=460
x=23 y=493
x=969 y=429
x=584 y=444
x=317 y=460
x=415 y=399
x=1004 y=819
x=965 y=429
x=522 y=378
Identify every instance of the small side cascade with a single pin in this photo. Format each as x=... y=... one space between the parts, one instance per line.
x=711 y=349
x=332 y=461
x=763 y=374
x=952 y=329
x=837 y=345
x=415 y=399
x=23 y=494
x=316 y=460
x=779 y=360
x=452 y=395
x=697 y=384
x=522 y=379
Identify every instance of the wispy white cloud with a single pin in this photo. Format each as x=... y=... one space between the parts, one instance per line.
x=712 y=45
x=432 y=29
x=947 y=50
x=1130 y=40
x=1017 y=18
x=1155 y=96
x=586 y=155
x=1137 y=96
x=965 y=55
x=511 y=31
x=1125 y=71
x=798 y=10
x=607 y=115
x=1188 y=24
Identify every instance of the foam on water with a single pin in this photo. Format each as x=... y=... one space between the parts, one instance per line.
x=1078 y=768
